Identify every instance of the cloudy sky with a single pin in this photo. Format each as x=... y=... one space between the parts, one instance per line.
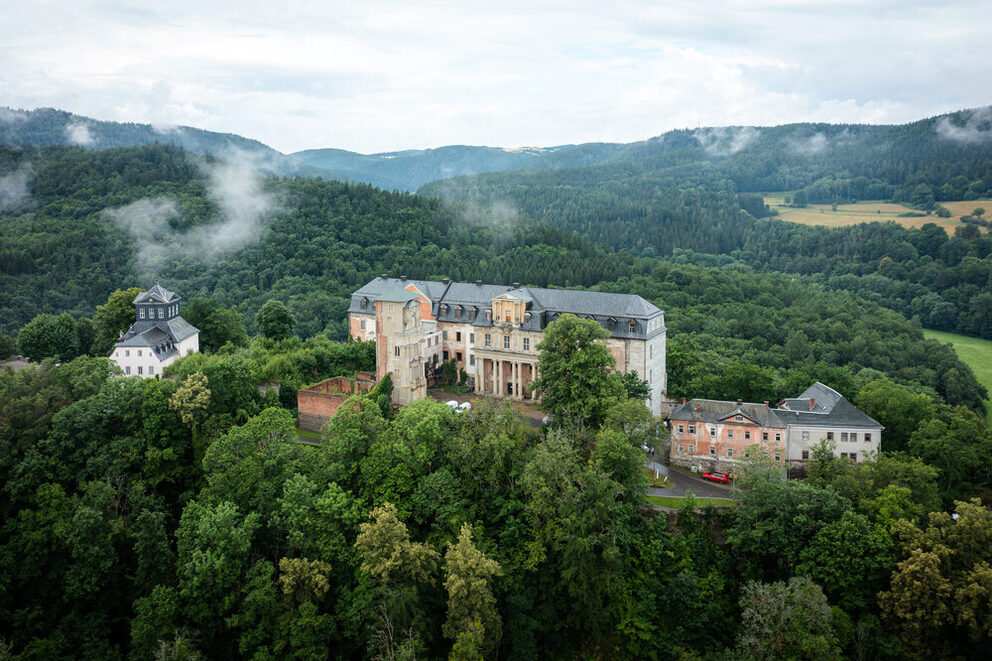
x=383 y=75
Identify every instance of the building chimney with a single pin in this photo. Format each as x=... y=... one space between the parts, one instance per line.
x=384 y=276
x=478 y=282
x=516 y=285
x=812 y=403
x=402 y=278
x=683 y=401
x=766 y=402
x=445 y=281
x=699 y=407
x=739 y=402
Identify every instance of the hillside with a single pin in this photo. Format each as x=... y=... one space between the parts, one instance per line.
x=48 y=126
x=698 y=191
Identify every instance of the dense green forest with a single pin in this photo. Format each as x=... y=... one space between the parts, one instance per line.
x=184 y=519
x=695 y=191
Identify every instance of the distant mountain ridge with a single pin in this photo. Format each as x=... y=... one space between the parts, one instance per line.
x=784 y=157
x=49 y=126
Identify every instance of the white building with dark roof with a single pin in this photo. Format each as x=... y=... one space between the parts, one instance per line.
x=492 y=331
x=714 y=435
x=157 y=338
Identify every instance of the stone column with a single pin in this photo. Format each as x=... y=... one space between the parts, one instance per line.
x=497 y=377
x=518 y=391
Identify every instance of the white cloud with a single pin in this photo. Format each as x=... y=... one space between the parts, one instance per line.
x=78 y=133
x=391 y=75
x=977 y=127
x=244 y=208
x=15 y=189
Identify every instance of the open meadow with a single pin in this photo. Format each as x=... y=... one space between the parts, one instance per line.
x=872 y=211
x=974 y=351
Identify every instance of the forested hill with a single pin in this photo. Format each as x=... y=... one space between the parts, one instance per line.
x=86 y=223
x=693 y=190
x=48 y=126
x=410 y=169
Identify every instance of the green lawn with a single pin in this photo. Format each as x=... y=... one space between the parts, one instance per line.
x=308 y=434
x=677 y=503
x=977 y=353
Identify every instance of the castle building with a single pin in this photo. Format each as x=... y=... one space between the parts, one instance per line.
x=714 y=435
x=158 y=337
x=492 y=332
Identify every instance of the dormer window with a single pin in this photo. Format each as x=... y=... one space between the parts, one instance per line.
x=631 y=326
x=526 y=317
x=611 y=323
x=364 y=303
x=161 y=313
x=739 y=418
x=489 y=315
x=141 y=313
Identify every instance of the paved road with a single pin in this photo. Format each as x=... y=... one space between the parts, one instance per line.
x=681 y=483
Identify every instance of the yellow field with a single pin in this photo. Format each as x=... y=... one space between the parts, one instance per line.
x=868 y=212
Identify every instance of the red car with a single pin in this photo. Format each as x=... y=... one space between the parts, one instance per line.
x=716 y=477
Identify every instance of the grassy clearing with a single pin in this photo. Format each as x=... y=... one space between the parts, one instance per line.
x=308 y=434
x=869 y=212
x=661 y=482
x=977 y=353
x=677 y=503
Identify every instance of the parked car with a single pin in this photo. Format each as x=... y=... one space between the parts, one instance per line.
x=452 y=404
x=716 y=477
x=464 y=406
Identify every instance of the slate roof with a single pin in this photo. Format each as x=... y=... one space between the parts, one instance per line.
x=397 y=295
x=830 y=409
x=713 y=411
x=543 y=304
x=157 y=294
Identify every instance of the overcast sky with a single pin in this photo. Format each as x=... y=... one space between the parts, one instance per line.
x=383 y=75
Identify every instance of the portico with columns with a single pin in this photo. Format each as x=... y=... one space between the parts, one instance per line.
x=505 y=375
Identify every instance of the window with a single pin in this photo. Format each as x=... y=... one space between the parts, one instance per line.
x=489 y=339
x=778 y=437
x=712 y=431
x=446 y=356
x=428 y=342
x=681 y=428
x=854 y=436
x=458 y=356
x=526 y=344
x=444 y=335
x=805 y=435
x=730 y=433
x=712 y=450
x=681 y=449
x=127 y=370
x=830 y=436
x=471 y=338
x=127 y=352
x=139 y=369
x=730 y=452
x=692 y=448
x=139 y=353
x=151 y=369
x=854 y=456
x=362 y=325
x=843 y=455
x=508 y=317
x=651 y=376
x=161 y=313
x=506 y=341
x=764 y=436
x=867 y=437
x=843 y=436
x=396 y=351
x=778 y=456
x=458 y=337
x=805 y=455
x=471 y=360
x=739 y=418
x=747 y=436
x=632 y=327
x=141 y=313
x=692 y=429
